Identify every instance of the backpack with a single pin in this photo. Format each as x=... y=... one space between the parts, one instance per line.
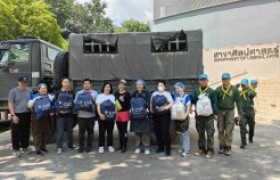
x=138 y=108
x=158 y=101
x=42 y=107
x=108 y=109
x=178 y=109
x=203 y=106
x=64 y=102
x=84 y=102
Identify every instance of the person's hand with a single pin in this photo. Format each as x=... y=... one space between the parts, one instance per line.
x=15 y=119
x=102 y=117
x=237 y=120
x=215 y=117
x=162 y=108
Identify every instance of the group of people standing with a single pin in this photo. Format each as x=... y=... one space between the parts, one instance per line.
x=140 y=107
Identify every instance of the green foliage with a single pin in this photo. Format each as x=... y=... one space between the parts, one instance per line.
x=29 y=18
x=133 y=25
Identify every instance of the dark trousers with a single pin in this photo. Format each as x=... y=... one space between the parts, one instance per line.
x=63 y=122
x=21 y=131
x=106 y=126
x=86 y=124
x=162 y=131
x=247 y=119
x=122 y=128
x=40 y=140
x=205 y=125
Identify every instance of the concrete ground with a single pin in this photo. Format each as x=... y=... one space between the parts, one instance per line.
x=259 y=161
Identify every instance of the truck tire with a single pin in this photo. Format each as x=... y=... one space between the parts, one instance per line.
x=60 y=67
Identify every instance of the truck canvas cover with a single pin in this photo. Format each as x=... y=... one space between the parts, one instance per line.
x=149 y=56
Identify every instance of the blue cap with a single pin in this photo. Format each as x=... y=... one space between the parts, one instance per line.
x=203 y=76
x=226 y=76
x=244 y=82
x=254 y=81
x=22 y=79
x=180 y=85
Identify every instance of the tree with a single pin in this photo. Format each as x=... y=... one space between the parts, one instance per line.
x=133 y=25
x=31 y=18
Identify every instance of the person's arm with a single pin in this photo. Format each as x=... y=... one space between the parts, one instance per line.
x=194 y=97
x=102 y=116
x=213 y=98
x=237 y=101
x=170 y=101
x=11 y=106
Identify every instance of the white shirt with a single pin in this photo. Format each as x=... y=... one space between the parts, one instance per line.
x=102 y=97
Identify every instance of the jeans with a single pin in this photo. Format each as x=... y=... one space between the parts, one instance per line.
x=162 y=130
x=63 y=122
x=21 y=131
x=86 y=124
x=185 y=141
x=106 y=126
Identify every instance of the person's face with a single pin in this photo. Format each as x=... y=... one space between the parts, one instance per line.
x=43 y=90
x=203 y=82
x=66 y=83
x=107 y=89
x=22 y=84
x=87 y=85
x=121 y=86
x=179 y=90
x=244 y=87
x=161 y=87
x=254 y=86
x=139 y=87
x=226 y=81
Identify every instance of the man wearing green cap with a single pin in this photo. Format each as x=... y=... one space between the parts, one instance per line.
x=227 y=95
x=205 y=118
x=247 y=104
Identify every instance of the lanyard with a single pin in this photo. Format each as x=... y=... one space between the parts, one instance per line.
x=243 y=94
x=202 y=92
x=226 y=92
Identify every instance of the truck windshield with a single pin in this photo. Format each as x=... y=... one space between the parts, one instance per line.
x=18 y=53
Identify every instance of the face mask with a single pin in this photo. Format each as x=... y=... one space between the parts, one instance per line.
x=161 y=88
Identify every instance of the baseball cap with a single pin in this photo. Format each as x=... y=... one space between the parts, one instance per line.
x=22 y=79
x=244 y=82
x=203 y=76
x=226 y=76
x=254 y=81
x=123 y=81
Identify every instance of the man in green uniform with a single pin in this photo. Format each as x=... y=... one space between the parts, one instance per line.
x=247 y=104
x=227 y=95
x=205 y=122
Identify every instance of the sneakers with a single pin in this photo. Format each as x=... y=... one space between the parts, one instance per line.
x=242 y=146
x=17 y=153
x=200 y=152
x=137 y=151
x=180 y=151
x=101 y=150
x=209 y=154
x=39 y=153
x=44 y=150
x=111 y=149
x=72 y=147
x=147 y=151
x=227 y=152
x=59 y=151
x=185 y=154
x=26 y=151
x=221 y=151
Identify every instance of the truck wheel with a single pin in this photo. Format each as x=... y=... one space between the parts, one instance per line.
x=60 y=67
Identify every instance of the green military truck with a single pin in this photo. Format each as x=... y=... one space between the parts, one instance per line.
x=26 y=56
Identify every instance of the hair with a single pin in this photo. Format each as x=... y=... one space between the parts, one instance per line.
x=162 y=81
x=87 y=80
x=103 y=87
x=62 y=79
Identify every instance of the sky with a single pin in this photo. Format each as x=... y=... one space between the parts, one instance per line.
x=120 y=10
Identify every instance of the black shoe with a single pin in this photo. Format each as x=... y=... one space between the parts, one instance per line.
x=39 y=153
x=160 y=150
x=81 y=150
x=72 y=147
x=167 y=153
x=88 y=149
x=242 y=146
x=44 y=150
x=251 y=140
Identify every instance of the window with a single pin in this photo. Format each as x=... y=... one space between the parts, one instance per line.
x=166 y=42
x=17 y=53
x=51 y=53
x=100 y=44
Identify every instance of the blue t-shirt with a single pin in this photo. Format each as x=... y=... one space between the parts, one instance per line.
x=185 y=99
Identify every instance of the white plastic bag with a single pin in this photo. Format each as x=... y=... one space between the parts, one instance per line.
x=203 y=106
x=178 y=111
